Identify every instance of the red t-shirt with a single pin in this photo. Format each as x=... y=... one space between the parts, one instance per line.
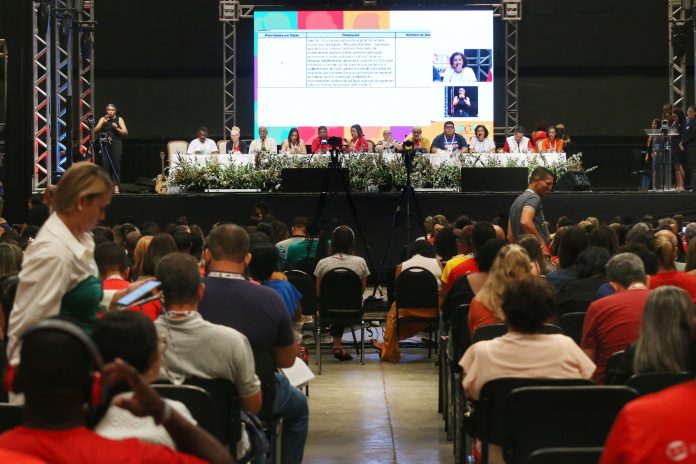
x=611 y=324
x=657 y=428
x=80 y=445
x=685 y=281
x=479 y=316
x=460 y=270
x=115 y=284
x=315 y=145
x=360 y=145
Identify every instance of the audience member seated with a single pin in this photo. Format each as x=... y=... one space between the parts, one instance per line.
x=199 y=348
x=61 y=377
x=533 y=248
x=524 y=351
x=202 y=145
x=307 y=248
x=577 y=295
x=605 y=237
x=161 y=245
x=464 y=251
x=131 y=337
x=298 y=233
x=573 y=241
x=445 y=243
x=139 y=256
x=665 y=247
x=10 y=264
x=481 y=232
x=264 y=261
x=258 y=313
x=655 y=428
x=511 y=263
x=612 y=323
x=342 y=249
x=420 y=254
x=113 y=267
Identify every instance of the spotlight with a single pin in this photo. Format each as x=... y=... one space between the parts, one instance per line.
x=679 y=32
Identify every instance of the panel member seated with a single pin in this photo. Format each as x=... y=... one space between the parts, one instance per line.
x=387 y=144
x=358 y=142
x=235 y=145
x=202 y=145
x=449 y=141
x=263 y=144
x=420 y=143
x=322 y=136
x=480 y=143
x=518 y=143
x=294 y=145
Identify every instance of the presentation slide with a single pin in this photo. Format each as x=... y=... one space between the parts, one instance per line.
x=379 y=69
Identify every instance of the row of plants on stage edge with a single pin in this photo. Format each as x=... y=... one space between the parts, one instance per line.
x=368 y=172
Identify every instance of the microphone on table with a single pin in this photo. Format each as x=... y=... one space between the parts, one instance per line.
x=322 y=143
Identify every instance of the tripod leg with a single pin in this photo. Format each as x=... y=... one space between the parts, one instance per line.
x=392 y=231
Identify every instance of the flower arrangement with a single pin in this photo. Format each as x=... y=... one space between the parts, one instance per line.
x=366 y=171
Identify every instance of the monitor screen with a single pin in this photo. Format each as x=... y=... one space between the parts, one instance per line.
x=379 y=69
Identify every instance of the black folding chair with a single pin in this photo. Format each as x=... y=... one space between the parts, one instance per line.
x=613 y=374
x=10 y=416
x=416 y=288
x=307 y=288
x=340 y=302
x=227 y=406
x=198 y=401
x=588 y=455
x=488 y=411
x=488 y=332
x=651 y=382
x=459 y=342
x=264 y=363
x=571 y=323
x=535 y=418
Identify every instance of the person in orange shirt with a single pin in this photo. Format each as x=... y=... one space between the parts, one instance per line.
x=552 y=144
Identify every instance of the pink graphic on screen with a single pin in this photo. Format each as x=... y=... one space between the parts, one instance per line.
x=320 y=20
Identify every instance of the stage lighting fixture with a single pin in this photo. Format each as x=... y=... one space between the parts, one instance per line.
x=512 y=10
x=679 y=32
x=42 y=17
x=229 y=10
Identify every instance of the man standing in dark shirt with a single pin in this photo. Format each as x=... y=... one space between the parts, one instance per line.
x=258 y=312
x=526 y=212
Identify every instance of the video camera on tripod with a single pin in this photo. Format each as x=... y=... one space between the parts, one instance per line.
x=337 y=146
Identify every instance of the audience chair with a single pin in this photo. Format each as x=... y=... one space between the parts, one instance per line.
x=535 y=418
x=10 y=416
x=197 y=400
x=488 y=332
x=340 y=302
x=416 y=288
x=264 y=362
x=222 y=146
x=227 y=407
x=306 y=286
x=307 y=265
x=613 y=375
x=571 y=323
x=454 y=394
x=487 y=422
x=651 y=382
x=589 y=455
x=175 y=148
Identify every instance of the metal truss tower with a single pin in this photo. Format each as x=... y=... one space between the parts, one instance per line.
x=231 y=11
x=512 y=14
x=676 y=16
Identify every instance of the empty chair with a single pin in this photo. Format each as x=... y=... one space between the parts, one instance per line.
x=548 y=417
x=416 y=289
x=488 y=415
x=222 y=146
x=651 y=382
x=340 y=303
x=176 y=148
x=197 y=400
x=589 y=455
x=571 y=323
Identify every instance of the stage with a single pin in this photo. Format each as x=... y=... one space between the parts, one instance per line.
x=375 y=211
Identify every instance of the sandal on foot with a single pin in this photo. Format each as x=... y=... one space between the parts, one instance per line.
x=341 y=355
x=376 y=345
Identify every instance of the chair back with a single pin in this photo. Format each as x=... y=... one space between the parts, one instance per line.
x=340 y=296
x=613 y=374
x=548 y=417
x=307 y=265
x=489 y=407
x=175 y=148
x=488 y=332
x=264 y=362
x=651 y=382
x=460 y=331
x=228 y=407
x=571 y=323
x=416 y=287
x=10 y=416
x=307 y=288
x=198 y=401
x=222 y=146
x=370 y=146
x=586 y=455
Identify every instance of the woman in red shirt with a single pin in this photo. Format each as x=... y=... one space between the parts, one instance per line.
x=358 y=142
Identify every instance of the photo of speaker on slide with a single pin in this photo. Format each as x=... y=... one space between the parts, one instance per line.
x=468 y=65
x=461 y=102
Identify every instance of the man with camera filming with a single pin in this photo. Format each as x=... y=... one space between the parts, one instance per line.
x=111 y=129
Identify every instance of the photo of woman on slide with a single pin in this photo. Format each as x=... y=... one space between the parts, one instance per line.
x=461 y=102
x=458 y=70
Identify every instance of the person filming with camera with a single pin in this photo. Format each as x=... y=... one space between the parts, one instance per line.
x=111 y=129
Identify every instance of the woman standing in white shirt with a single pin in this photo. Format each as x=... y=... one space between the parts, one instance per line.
x=481 y=143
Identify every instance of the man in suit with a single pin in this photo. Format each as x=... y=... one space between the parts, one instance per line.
x=688 y=143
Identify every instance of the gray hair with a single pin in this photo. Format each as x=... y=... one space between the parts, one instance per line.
x=665 y=333
x=625 y=269
x=180 y=278
x=690 y=231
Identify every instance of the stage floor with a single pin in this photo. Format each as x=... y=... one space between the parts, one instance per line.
x=375 y=211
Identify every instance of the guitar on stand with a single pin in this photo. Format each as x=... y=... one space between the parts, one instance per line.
x=161 y=184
